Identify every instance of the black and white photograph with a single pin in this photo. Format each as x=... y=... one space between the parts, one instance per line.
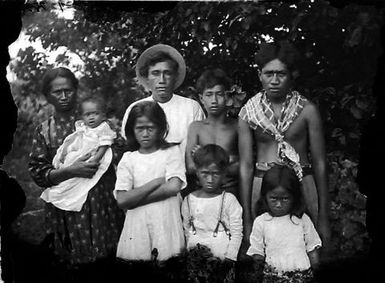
x=192 y=141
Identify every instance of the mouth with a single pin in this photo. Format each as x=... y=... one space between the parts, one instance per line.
x=274 y=89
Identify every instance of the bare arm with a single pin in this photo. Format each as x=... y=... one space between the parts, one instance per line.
x=314 y=258
x=170 y=188
x=80 y=168
x=133 y=198
x=317 y=150
x=192 y=141
x=246 y=170
x=99 y=154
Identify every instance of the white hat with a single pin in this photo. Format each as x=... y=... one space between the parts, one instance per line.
x=174 y=54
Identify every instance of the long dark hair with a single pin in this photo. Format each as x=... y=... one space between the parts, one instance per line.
x=285 y=177
x=155 y=114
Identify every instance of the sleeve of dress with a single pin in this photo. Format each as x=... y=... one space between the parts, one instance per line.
x=234 y=211
x=175 y=165
x=124 y=175
x=106 y=135
x=40 y=160
x=312 y=239
x=199 y=114
x=185 y=217
x=257 y=245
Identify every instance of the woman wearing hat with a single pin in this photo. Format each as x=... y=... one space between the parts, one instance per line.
x=161 y=69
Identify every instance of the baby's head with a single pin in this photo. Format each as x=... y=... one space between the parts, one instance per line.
x=281 y=192
x=93 y=110
x=212 y=86
x=211 y=163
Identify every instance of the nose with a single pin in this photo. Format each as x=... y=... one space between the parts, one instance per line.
x=162 y=78
x=63 y=95
x=146 y=132
x=275 y=79
x=278 y=204
x=215 y=98
x=209 y=178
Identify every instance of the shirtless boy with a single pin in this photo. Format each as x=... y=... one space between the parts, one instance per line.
x=217 y=128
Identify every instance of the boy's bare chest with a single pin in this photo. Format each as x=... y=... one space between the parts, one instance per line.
x=223 y=136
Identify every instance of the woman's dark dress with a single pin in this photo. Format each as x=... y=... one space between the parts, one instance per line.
x=92 y=233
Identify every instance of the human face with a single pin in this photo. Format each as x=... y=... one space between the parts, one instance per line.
x=92 y=114
x=275 y=79
x=210 y=178
x=214 y=100
x=161 y=81
x=62 y=95
x=279 y=201
x=146 y=134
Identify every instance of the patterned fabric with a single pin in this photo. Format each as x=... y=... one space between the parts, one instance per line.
x=258 y=112
x=78 y=237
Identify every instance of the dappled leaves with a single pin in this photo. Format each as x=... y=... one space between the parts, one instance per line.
x=340 y=48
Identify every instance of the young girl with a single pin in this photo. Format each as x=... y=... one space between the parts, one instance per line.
x=211 y=216
x=149 y=180
x=91 y=141
x=283 y=236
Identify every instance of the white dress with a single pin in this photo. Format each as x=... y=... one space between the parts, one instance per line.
x=154 y=225
x=205 y=213
x=284 y=241
x=71 y=194
x=180 y=113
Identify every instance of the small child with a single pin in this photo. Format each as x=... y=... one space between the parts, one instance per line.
x=283 y=236
x=217 y=128
x=91 y=141
x=148 y=183
x=211 y=216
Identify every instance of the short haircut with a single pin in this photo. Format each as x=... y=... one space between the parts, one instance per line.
x=209 y=154
x=211 y=78
x=97 y=99
x=52 y=74
x=282 y=176
x=281 y=50
x=157 y=58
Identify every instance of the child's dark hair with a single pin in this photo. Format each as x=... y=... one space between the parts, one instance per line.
x=211 y=78
x=209 y=154
x=97 y=99
x=155 y=114
x=285 y=177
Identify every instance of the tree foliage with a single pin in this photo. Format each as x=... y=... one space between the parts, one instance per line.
x=339 y=48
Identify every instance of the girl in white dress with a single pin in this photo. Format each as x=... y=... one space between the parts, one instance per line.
x=90 y=142
x=211 y=216
x=149 y=180
x=283 y=236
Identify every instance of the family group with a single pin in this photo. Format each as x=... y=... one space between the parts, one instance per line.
x=189 y=173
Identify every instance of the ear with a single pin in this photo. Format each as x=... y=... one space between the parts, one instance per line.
x=259 y=74
x=200 y=97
